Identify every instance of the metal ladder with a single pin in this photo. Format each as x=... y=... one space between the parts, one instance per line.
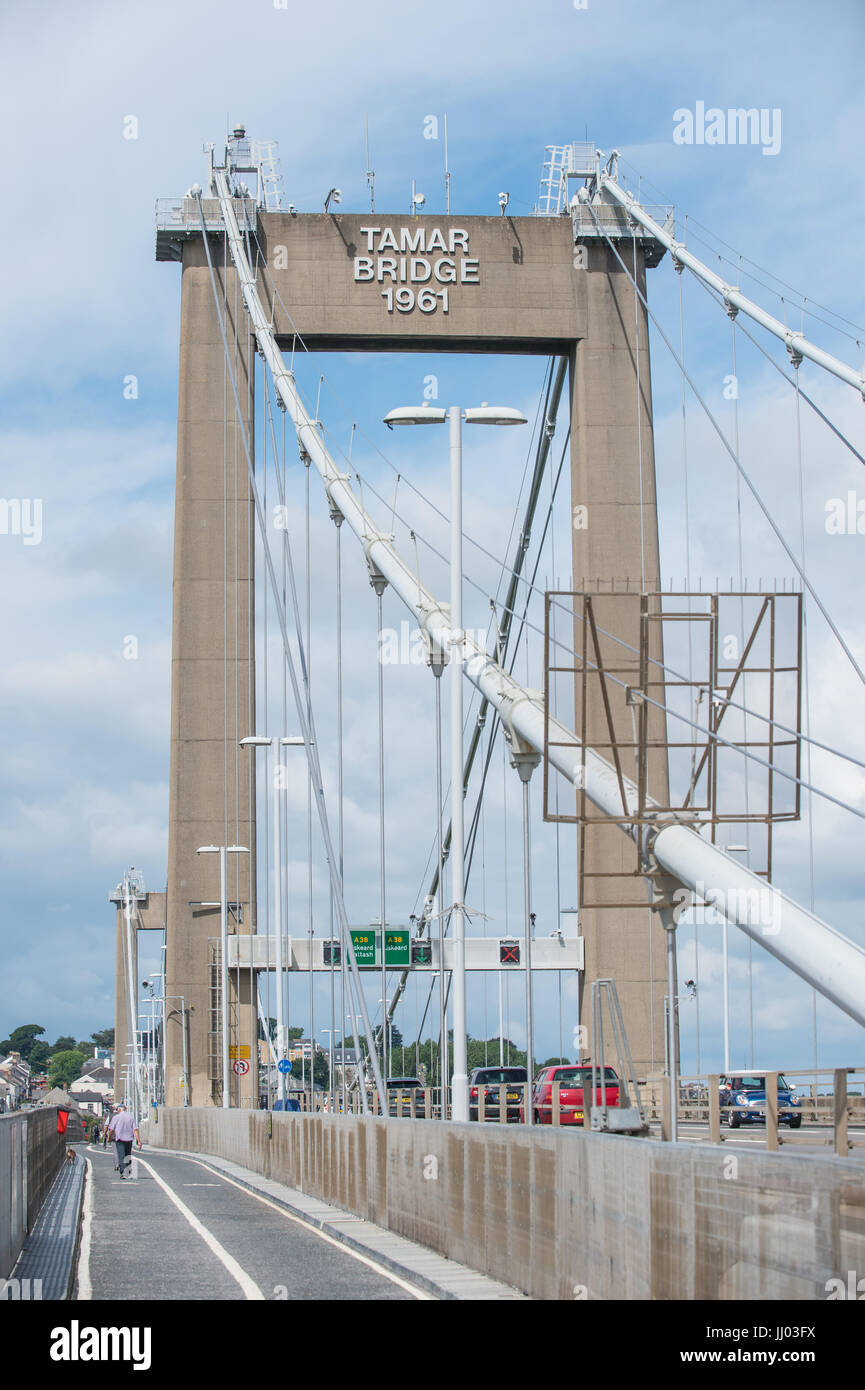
x=627 y=1117
x=556 y=163
x=265 y=153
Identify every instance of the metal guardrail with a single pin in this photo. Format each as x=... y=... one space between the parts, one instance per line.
x=829 y=1102
x=828 y=1108
x=31 y=1152
x=425 y=1103
x=181 y=214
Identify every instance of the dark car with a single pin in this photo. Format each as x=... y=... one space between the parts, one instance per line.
x=573 y=1082
x=743 y=1100
x=400 y=1090
x=487 y=1080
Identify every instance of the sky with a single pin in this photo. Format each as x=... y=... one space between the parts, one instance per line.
x=86 y=307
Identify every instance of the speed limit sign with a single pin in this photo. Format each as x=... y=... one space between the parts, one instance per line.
x=240 y=1067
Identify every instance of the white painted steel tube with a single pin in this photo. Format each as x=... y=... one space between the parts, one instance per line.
x=795 y=342
x=459 y=1084
x=830 y=962
x=223 y=972
x=281 y=1049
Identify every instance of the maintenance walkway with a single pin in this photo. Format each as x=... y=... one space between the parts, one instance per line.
x=185 y=1227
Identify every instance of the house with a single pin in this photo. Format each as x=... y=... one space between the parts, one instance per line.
x=344 y=1061
x=16 y=1075
x=96 y=1102
x=300 y=1049
x=93 y=1089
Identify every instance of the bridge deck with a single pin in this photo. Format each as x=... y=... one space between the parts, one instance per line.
x=183 y=1228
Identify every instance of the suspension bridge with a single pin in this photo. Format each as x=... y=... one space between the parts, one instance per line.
x=649 y=745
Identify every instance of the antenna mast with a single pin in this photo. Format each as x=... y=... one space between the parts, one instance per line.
x=447 y=171
x=370 y=173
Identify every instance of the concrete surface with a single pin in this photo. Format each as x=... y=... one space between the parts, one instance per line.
x=563 y=1214
x=248 y=1238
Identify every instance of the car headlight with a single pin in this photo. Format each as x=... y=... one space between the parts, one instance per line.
x=794 y=1100
x=742 y=1099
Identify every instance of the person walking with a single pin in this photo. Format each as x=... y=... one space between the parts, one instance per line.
x=123 y=1128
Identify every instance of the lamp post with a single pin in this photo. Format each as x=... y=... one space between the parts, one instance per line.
x=183 y=1040
x=154 y=1091
x=354 y=1020
x=386 y=1039
x=731 y=849
x=331 y=1034
x=482 y=415
x=262 y=741
x=163 y=999
x=223 y=851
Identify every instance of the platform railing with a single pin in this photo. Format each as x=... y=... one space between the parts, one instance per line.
x=31 y=1153
x=829 y=1106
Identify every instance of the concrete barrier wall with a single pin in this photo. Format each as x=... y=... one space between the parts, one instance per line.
x=31 y=1152
x=564 y=1214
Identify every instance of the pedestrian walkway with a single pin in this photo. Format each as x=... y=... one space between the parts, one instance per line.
x=47 y=1259
x=188 y=1228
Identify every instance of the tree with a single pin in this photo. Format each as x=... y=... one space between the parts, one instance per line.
x=556 y=1062
x=321 y=1071
x=22 y=1040
x=64 y=1044
x=65 y=1067
x=40 y=1055
x=103 y=1037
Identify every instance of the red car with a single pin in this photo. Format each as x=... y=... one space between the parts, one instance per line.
x=572 y=1079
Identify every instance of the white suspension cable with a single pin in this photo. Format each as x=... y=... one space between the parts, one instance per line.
x=808 y=946
x=720 y=433
x=796 y=343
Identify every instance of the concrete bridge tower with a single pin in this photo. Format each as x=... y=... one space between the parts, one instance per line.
x=498 y=284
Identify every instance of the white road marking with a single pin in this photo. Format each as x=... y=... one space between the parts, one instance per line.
x=250 y=1288
x=420 y=1294
x=85 y=1288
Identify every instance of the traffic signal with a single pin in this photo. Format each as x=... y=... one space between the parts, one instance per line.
x=421 y=953
x=509 y=953
x=332 y=953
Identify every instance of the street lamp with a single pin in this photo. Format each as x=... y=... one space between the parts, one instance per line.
x=163 y=999
x=386 y=1039
x=354 y=1020
x=152 y=1050
x=479 y=415
x=331 y=1034
x=222 y=851
x=731 y=849
x=262 y=741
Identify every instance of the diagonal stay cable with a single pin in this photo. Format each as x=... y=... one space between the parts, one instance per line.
x=723 y=438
